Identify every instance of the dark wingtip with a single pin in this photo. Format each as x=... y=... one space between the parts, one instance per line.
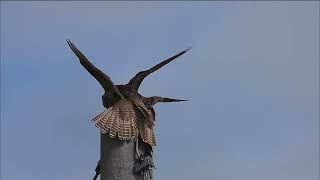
x=69 y=43
x=188 y=49
x=173 y=100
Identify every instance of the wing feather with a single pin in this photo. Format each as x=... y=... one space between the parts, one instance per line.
x=100 y=76
x=119 y=120
x=147 y=134
x=124 y=120
x=138 y=78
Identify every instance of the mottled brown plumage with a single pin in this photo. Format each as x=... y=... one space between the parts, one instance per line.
x=128 y=113
x=121 y=119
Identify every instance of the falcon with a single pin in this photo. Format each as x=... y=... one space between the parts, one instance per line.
x=128 y=114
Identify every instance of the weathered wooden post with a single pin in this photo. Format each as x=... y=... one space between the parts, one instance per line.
x=127 y=134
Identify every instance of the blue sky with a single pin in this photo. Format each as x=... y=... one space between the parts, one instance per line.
x=252 y=78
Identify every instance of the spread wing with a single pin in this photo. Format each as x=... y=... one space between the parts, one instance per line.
x=102 y=78
x=138 y=78
x=120 y=119
x=124 y=120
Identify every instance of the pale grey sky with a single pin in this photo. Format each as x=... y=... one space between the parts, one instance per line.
x=252 y=79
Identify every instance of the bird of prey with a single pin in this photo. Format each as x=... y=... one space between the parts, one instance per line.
x=128 y=114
